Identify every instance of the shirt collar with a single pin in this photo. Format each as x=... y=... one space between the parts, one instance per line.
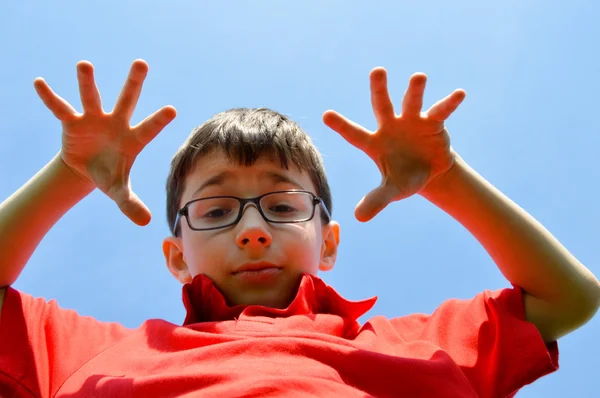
x=205 y=303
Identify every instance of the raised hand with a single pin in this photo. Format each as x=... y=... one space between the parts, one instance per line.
x=101 y=147
x=410 y=149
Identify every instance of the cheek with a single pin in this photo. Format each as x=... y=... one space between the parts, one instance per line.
x=201 y=260
x=305 y=247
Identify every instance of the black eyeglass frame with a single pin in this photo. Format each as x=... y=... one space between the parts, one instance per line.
x=183 y=212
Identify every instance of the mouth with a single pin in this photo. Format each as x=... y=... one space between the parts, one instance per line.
x=256 y=268
x=257 y=274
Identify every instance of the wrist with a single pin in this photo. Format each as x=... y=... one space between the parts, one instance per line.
x=442 y=184
x=69 y=178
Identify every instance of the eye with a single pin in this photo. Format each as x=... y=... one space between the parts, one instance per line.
x=282 y=208
x=216 y=213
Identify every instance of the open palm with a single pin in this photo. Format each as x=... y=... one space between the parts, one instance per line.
x=410 y=149
x=101 y=147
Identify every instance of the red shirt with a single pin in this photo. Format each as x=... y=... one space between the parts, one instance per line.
x=480 y=347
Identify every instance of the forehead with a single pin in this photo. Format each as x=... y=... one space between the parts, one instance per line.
x=216 y=171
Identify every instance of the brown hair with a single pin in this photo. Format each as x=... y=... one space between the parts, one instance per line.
x=244 y=135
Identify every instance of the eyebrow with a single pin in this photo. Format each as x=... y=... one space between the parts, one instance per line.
x=219 y=179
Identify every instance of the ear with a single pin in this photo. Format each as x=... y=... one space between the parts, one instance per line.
x=173 y=251
x=329 y=247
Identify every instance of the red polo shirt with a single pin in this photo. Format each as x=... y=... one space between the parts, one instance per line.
x=480 y=347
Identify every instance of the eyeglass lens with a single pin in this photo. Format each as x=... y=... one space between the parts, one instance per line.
x=277 y=207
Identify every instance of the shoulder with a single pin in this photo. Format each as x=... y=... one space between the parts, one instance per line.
x=35 y=333
x=486 y=331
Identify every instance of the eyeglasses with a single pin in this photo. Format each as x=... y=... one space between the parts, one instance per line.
x=280 y=207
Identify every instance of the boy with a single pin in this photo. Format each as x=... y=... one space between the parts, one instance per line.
x=250 y=214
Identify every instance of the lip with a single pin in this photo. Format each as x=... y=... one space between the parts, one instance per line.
x=255 y=267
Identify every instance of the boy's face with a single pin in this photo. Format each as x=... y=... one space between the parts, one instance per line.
x=295 y=249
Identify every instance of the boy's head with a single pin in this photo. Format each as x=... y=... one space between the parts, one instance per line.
x=247 y=153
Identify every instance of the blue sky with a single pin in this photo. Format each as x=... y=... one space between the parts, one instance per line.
x=529 y=125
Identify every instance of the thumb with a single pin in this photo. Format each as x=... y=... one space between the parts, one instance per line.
x=132 y=206
x=373 y=203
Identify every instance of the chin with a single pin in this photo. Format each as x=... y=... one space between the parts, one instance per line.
x=271 y=299
x=278 y=295
x=271 y=302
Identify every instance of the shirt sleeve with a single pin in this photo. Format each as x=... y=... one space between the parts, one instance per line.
x=41 y=345
x=489 y=338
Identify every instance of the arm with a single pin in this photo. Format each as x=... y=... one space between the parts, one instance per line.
x=98 y=150
x=413 y=153
x=27 y=215
x=560 y=293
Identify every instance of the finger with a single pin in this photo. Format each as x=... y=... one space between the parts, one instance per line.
x=131 y=205
x=57 y=105
x=352 y=132
x=441 y=110
x=149 y=128
x=380 y=97
x=88 y=91
x=132 y=88
x=374 y=202
x=412 y=103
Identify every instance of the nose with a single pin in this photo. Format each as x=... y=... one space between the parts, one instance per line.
x=253 y=230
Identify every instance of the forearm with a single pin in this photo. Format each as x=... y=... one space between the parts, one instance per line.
x=524 y=251
x=27 y=215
